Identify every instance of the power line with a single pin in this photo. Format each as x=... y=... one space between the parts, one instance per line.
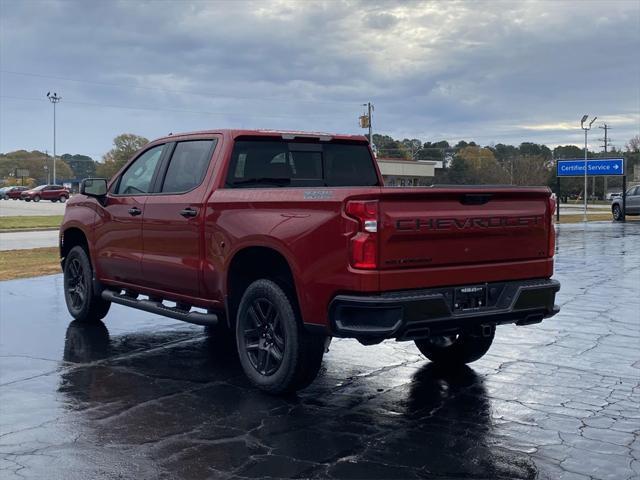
x=215 y=95
x=175 y=110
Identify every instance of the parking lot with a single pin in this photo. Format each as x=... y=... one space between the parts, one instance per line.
x=10 y=208
x=140 y=396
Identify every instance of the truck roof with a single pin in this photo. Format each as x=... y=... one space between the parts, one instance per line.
x=286 y=134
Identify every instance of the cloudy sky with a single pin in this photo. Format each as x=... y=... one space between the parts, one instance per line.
x=485 y=71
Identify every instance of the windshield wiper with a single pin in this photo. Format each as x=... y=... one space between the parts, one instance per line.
x=280 y=182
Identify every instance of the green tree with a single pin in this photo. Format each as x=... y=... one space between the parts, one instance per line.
x=82 y=165
x=124 y=146
x=34 y=161
x=529 y=149
x=568 y=151
x=388 y=147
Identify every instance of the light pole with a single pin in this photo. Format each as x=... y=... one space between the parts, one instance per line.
x=586 y=130
x=54 y=99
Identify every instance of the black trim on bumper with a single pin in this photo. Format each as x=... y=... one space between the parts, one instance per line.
x=413 y=314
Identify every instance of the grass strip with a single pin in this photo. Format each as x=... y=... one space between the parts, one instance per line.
x=596 y=217
x=33 y=222
x=29 y=263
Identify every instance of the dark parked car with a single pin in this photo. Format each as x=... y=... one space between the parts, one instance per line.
x=13 y=193
x=46 y=192
x=632 y=204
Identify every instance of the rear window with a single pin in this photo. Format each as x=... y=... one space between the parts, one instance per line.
x=273 y=163
x=188 y=166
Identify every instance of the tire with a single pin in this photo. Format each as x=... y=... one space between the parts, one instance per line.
x=276 y=353
x=36 y=198
x=84 y=304
x=617 y=213
x=27 y=199
x=63 y=199
x=456 y=350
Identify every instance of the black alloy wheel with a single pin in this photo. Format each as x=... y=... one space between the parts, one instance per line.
x=83 y=301
x=276 y=352
x=76 y=283
x=264 y=337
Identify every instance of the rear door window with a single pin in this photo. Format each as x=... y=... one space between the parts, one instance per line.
x=269 y=163
x=188 y=166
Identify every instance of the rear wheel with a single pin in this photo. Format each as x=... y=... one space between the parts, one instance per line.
x=617 y=213
x=457 y=349
x=83 y=302
x=276 y=352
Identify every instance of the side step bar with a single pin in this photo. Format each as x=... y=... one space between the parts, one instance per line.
x=160 y=309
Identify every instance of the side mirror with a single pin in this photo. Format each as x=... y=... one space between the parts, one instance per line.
x=94 y=187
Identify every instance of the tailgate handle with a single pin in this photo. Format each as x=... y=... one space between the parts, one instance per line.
x=475 y=198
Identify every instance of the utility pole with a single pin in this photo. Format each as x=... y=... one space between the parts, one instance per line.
x=586 y=186
x=54 y=99
x=368 y=122
x=46 y=167
x=606 y=144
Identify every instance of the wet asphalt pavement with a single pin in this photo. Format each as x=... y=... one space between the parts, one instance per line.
x=140 y=396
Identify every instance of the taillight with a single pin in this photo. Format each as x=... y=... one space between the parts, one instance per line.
x=364 y=244
x=552 y=229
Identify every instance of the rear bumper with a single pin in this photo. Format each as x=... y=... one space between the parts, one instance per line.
x=413 y=314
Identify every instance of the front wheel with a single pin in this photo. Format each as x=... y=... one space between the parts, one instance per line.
x=36 y=198
x=276 y=352
x=617 y=213
x=63 y=199
x=83 y=302
x=457 y=349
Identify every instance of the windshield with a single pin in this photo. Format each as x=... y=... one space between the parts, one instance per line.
x=40 y=187
x=277 y=163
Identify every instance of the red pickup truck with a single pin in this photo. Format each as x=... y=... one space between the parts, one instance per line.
x=282 y=240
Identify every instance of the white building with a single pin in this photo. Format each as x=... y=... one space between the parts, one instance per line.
x=407 y=173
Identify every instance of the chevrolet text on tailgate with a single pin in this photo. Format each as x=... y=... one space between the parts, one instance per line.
x=279 y=241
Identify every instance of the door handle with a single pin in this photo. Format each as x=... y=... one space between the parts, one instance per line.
x=189 y=212
x=134 y=211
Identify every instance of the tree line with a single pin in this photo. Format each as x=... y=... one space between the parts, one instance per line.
x=464 y=163
x=68 y=166
x=467 y=163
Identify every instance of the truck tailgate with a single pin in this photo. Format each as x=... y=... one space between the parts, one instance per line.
x=449 y=226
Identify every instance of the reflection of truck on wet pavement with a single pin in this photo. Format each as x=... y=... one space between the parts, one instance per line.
x=282 y=240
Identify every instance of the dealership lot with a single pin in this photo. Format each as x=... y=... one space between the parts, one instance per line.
x=11 y=208
x=143 y=396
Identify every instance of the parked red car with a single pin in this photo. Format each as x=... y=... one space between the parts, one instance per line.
x=281 y=240
x=14 y=193
x=54 y=193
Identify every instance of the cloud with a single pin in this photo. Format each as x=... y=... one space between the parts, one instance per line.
x=484 y=71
